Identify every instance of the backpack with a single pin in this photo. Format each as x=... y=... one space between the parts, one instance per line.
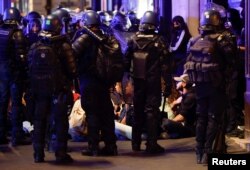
x=44 y=69
x=109 y=61
x=140 y=56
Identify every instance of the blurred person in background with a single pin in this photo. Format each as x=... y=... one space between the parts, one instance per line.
x=13 y=72
x=183 y=124
x=180 y=37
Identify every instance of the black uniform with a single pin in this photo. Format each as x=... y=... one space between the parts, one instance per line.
x=95 y=95
x=120 y=26
x=135 y=22
x=105 y=18
x=146 y=55
x=52 y=98
x=209 y=65
x=12 y=73
x=33 y=19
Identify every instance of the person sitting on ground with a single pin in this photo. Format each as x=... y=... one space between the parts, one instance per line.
x=183 y=124
x=117 y=101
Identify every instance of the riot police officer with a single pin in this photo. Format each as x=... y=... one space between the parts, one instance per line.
x=12 y=72
x=33 y=22
x=147 y=54
x=65 y=17
x=209 y=66
x=52 y=98
x=95 y=96
x=34 y=26
x=135 y=22
x=106 y=18
x=120 y=26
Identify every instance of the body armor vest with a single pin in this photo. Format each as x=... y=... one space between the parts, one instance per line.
x=5 y=35
x=203 y=62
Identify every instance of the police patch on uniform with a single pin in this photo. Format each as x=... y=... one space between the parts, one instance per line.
x=115 y=45
x=43 y=55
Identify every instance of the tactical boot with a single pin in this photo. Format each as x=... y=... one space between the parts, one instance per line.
x=51 y=146
x=154 y=149
x=109 y=150
x=63 y=158
x=199 y=154
x=204 y=158
x=207 y=151
x=136 y=147
x=91 y=151
x=38 y=157
x=198 y=158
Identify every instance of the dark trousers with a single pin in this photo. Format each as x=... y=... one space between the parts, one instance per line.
x=178 y=129
x=96 y=102
x=210 y=107
x=10 y=91
x=234 y=109
x=44 y=108
x=147 y=99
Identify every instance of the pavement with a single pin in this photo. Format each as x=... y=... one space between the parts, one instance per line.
x=179 y=155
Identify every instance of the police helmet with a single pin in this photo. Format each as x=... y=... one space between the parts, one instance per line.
x=213 y=17
x=131 y=15
x=11 y=16
x=211 y=21
x=150 y=17
x=63 y=15
x=120 y=22
x=33 y=19
x=149 y=21
x=52 y=24
x=90 y=18
x=105 y=18
x=135 y=22
x=33 y=15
